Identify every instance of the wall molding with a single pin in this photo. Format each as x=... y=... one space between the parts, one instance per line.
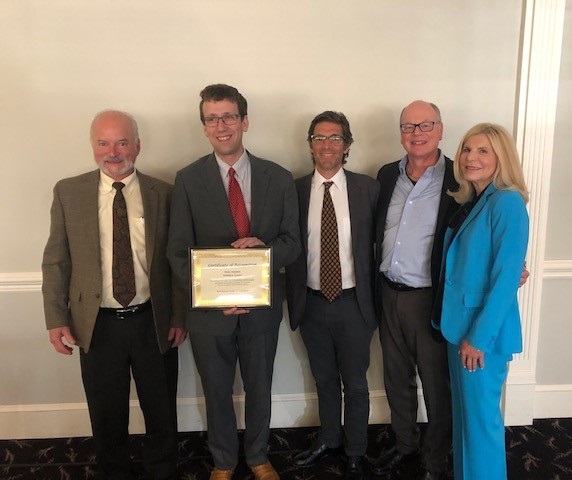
x=12 y=282
x=557 y=269
x=288 y=410
x=21 y=282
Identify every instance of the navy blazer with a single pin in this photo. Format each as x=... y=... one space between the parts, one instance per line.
x=483 y=266
x=387 y=177
x=362 y=199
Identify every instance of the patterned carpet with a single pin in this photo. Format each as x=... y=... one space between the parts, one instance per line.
x=542 y=451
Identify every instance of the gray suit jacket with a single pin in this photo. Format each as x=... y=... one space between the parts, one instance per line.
x=363 y=192
x=71 y=267
x=201 y=217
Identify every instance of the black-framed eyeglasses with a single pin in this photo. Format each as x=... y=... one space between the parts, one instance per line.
x=227 y=119
x=323 y=138
x=423 y=126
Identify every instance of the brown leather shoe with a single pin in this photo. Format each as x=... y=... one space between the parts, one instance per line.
x=264 y=472
x=218 y=474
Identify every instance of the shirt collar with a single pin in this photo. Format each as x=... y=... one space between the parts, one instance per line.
x=339 y=179
x=106 y=182
x=240 y=166
x=434 y=171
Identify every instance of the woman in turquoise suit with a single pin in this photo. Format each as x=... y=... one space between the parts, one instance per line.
x=484 y=254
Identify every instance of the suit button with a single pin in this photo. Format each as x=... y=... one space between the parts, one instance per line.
x=97 y=295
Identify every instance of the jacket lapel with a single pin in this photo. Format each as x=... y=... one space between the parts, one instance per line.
x=212 y=182
x=88 y=198
x=477 y=208
x=304 y=188
x=354 y=195
x=259 y=190
x=150 y=208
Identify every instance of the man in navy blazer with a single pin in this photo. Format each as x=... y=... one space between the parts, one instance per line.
x=336 y=332
x=201 y=217
x=413 y=214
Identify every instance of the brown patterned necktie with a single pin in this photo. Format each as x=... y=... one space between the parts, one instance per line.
x=122 y=271
x=330 y=269
x=237 y=206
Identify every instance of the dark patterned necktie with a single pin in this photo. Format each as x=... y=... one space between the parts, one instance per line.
x=122 y=271
x=237 y=206
x=330 y=269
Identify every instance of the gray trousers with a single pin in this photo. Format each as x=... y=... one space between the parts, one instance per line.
x=216 y=357
x=410 y=345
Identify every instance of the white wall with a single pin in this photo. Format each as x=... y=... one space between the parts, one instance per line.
x=63 y=61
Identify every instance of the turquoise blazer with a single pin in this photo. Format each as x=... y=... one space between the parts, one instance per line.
x=483 y=265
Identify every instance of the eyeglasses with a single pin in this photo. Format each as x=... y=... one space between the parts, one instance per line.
x=227 y=119
x=423 y=126
x=323 y=138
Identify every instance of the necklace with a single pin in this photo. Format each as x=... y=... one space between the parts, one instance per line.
x=410 y=175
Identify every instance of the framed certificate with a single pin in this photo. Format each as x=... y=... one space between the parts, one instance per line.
x=230 y=277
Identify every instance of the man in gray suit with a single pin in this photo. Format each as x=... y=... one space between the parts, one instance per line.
x=117 y=334
x=336 y=327
x=202 y=216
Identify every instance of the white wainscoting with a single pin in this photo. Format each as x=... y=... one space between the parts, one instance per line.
x=292 y=410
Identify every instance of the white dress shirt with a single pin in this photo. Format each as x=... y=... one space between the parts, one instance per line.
x=339 y=194
x=136 y=218
x=242 y=175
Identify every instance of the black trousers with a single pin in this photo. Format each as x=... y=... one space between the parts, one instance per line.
x=338 y=340
x=409 y=346
x=119 y=348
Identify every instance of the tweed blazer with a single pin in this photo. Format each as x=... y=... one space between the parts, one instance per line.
x=71 y=266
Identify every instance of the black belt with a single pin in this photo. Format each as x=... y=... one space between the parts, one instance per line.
x=401 y=287
x=345 y=293
x=127 y=312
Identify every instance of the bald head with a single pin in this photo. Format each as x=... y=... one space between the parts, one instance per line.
x=422 y=146
x=421 y=104
x=115 y=116
x=115 y=142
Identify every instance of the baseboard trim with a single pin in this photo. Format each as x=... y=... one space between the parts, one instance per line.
x=289 y=410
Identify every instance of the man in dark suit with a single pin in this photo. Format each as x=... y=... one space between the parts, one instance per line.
x=336 y=326
x=135 y=327
x=413 y=214
x=206 y=213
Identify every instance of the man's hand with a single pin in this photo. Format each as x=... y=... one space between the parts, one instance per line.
x=177 y=335
x=56 y=335
x=235 y=311
x=247 y=242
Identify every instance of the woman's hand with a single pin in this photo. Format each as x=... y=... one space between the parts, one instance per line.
x=471 y=357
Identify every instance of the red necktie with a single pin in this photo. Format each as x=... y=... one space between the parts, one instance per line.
x=330 y=269
x=122 y=270
x=237 y=206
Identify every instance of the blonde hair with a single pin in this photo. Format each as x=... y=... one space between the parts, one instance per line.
x=508 y=174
